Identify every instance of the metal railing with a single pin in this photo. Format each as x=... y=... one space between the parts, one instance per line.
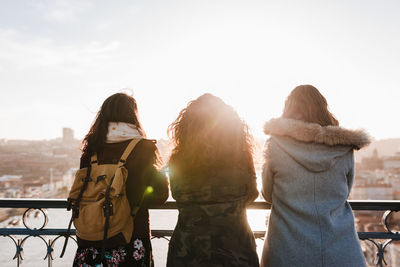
x=20 y=235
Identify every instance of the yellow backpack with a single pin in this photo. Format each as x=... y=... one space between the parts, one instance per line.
x=100 y=207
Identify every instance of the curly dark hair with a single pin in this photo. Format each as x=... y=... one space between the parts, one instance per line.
x=119 y=107
x=207 y=135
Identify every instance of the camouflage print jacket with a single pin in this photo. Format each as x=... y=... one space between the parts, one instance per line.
x=212 y=228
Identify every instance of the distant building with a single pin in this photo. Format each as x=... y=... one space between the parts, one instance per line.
x=373 y=191
x=7 y=177
x=372 y=163
x=373 y=185
x=392 y=163
x=68 y=135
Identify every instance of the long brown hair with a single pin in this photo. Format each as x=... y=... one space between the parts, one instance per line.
x=119 y=107
x=207 y=135
x=306 y=103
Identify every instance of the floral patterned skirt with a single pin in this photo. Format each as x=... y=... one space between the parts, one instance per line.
x=138 y=253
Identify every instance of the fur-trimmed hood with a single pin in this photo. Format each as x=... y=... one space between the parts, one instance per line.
x=314 y=147
x=315 y=133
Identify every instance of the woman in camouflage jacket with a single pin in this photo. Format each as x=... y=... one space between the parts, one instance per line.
x=212 y=180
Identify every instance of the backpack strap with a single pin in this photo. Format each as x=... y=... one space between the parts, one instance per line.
x=108 y=211
x=93 y=159
x=128 y=151
x=135 y=209
x=107 y=204
x=75 y=207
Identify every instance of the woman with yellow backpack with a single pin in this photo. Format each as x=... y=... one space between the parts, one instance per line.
x=118 y=177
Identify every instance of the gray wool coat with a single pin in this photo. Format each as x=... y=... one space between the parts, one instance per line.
x=307 y=176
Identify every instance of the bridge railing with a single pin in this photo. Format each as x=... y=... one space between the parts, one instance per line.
x=381 y=240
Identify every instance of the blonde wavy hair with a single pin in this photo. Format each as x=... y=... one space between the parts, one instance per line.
x=306 y=103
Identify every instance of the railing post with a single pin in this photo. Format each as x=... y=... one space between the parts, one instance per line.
x=49 y=254
x=18 y=253
x=381 y=247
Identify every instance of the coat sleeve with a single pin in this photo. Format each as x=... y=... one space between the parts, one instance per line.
x=267 y=183
x=252 y=192
x=157 y=188
x=267 y=174
x=146 y=184
x=156 y=191
x=350 y=174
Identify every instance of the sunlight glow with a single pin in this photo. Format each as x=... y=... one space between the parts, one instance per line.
x=250 y=54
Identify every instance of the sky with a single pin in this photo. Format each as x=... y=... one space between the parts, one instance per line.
x=59 y=60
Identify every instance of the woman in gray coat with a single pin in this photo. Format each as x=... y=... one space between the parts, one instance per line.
x=307 y=176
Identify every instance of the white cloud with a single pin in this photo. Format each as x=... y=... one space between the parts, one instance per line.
x=62 y=11
x=20 y=53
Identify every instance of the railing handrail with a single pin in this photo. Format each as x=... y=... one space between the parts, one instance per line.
x=19 y=235
x=393 y=205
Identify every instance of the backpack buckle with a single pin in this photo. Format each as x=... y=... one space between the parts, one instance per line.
x=87 y=179
x=69 y=204
x=100 y=178
x=75 y=211
x=108 y=208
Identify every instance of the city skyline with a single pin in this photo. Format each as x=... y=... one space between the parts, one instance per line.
x=60 y=59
